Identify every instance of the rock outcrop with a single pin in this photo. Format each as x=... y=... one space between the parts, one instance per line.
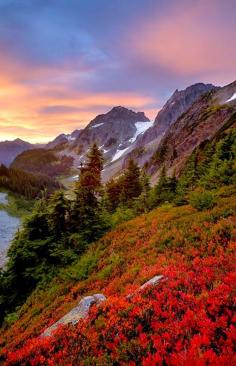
x=77 y=313
x=179 y=103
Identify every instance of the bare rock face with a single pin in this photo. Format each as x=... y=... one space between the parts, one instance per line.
x=179 y=103
x=79 y=312
x=210 y=114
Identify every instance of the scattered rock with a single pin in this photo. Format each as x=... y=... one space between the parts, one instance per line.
x=152 y=282
x=82 y=309
x=77 y=313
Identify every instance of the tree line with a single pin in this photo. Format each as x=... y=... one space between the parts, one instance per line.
x=26 y=184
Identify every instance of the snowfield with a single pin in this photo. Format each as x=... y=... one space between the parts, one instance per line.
x=232 y=98
x=119 y=153
x=141 y=127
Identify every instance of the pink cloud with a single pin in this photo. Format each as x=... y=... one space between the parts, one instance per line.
x=191 y=39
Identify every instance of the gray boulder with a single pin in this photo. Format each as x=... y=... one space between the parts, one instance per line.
x=152 y=282
x=77 y=313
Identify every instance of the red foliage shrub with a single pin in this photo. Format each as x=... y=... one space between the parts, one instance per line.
x=189 y=319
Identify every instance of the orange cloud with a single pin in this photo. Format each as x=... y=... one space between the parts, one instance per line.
x=21 y=116
x=27 y=92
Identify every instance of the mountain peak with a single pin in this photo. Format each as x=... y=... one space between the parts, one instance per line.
x=196 y=89
x=20 y=141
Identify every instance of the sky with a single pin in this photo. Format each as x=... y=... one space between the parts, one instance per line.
x=62 y=62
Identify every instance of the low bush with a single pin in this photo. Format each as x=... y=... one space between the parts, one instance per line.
x=202 y=200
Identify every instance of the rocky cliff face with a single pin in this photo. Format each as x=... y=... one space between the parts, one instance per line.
x=179 y=103
x=10 y=149
x=213 y=112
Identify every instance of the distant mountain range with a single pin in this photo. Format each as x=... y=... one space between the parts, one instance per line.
x=10 y=149
x=63 y=139
x=190 y=117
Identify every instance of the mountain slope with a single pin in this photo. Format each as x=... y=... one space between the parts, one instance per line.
x=26 y=184
x=200 y=123
x=179 y=102
x=192 y=247
x=197 y=262
x=122 y=133
x=42 y=161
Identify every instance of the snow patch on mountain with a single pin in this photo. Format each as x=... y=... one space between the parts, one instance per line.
x=231 y=98
x=119 y=153
x=141 y=127
x=70 y=138
x=97 y=125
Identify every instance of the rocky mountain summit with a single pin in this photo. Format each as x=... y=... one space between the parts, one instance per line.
x=177 y=104
x=114 y=132
x=212 y=113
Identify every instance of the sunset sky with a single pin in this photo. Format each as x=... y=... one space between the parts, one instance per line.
x=62 y=62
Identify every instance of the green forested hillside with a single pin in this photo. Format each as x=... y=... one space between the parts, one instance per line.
x=42 y=161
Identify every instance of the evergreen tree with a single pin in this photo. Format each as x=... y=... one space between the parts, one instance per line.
x=93 y=168
x=188 y=178
x=222 y=170
x=165 y=190
x=145 y=182
x=37 y=225
x=142 y=202
x=86 y=214
x=58 y=209
x=113 y=191
x=132 y=183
